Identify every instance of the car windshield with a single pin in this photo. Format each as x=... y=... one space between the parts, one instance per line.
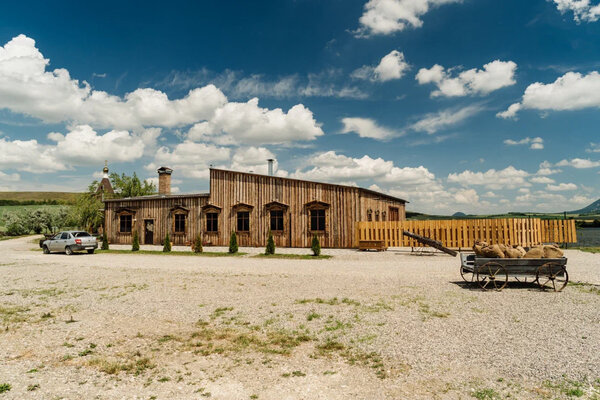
x=81 y=234
x=57 y=236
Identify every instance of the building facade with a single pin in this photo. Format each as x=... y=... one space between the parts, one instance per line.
x=251 y=205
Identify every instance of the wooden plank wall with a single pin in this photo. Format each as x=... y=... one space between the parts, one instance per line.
x=463 y=233
x=158 y=210
x=346 y=206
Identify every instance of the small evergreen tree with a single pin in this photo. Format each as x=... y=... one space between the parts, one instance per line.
x=270 y=245
x=316 y=246
x=233 y=246
x=167 y=244
x=136 y=242
x=198 y=244
x=104 y=241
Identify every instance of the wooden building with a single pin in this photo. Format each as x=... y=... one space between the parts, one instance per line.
x=250 y=205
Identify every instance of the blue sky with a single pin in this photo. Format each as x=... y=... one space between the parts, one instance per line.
x=475 y=106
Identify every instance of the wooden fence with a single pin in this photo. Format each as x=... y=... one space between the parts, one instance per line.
x=463 y=233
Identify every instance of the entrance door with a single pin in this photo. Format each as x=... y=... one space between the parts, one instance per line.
x=148 y=231
x=394 y=215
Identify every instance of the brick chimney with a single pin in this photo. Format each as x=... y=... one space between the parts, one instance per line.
x=164 y=180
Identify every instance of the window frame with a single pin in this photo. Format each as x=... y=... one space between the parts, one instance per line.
x=278 y=218
x=176 y=216
x=318 y=218
x=238 y=220
x=215 y=221
x=130 y=217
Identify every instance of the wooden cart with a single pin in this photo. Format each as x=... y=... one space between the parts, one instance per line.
x=494 y=273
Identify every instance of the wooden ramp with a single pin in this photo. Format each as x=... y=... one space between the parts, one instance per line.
x=430 y=242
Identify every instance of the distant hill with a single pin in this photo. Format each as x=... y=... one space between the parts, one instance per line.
x=459 y=214
x=27 y=197
x=593 y=208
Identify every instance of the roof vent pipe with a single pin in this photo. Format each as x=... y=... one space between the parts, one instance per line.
x=270 y=161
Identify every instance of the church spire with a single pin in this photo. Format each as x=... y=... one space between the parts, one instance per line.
x=105 y=169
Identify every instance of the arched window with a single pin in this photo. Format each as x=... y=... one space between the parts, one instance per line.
x=212 y=215
x=179 y=216
x=277 y=216
x=242 y=213
x=317 y=216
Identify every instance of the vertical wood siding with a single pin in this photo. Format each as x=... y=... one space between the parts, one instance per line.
x=345 y=207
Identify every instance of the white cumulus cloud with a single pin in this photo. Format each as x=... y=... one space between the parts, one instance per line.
x=247 y=123
x=368 y=128
x=561 y=187
x=579 y=163
x=494 y=75
x=507 y=178
x=190 y=159
x=384 y=17
x=542 y=179
x=572 y=91
x=583 y=10
x=392 y=66
x=536 y=143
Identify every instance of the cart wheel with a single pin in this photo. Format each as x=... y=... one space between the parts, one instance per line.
x=492 y=276
x=468 y=276
x=552 y=276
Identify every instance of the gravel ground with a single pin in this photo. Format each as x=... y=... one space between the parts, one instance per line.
x=359 y=325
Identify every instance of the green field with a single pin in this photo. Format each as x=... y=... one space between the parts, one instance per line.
x=5 y=209
x=413 y=216
x=65 y=197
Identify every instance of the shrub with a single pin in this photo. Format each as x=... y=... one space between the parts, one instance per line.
x=198 y=244
x=270 y=245
x=167 y=244
x=233 y=246
x=316 y=246
x=104 y=241
x=136 y=242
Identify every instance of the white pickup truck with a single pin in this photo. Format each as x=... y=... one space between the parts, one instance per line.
x=69 y=242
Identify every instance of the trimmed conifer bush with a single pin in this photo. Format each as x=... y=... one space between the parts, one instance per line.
x=135 y=246
x=167 y=244
x=198 y=244
x=270 y=245
x=316 y=246
x=233 y=246
x=104 y=241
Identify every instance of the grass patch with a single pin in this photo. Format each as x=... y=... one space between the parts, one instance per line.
x=5 y=387
x=13 y=313
x=485 y=394
x=332 y=302
x=33 y=387
x=172 y=253
x=294 y=256
x=136 y=367
x=572 y=388
x=312 y=315
x=588 y=249
x=586 y=287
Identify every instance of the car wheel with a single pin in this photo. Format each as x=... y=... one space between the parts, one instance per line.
x=46 y=250
x=68 y=251
x=90 y=251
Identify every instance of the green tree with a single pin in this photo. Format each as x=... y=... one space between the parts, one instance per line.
x=88 y=210
x=104 y=241
x=270 y=249
x=136 y=241
x=198 y=244
x=233 y=246
x=316 y=246
x=167 y=244
x=130 y=186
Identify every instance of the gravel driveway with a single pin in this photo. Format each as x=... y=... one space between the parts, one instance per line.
x=359 y=325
